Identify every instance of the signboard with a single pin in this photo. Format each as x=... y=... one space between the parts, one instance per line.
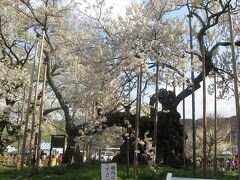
x=109 y=171
x=58 y=141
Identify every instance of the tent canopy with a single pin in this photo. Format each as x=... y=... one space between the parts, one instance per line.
x=45 y=146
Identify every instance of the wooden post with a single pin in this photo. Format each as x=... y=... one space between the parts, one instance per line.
x=236 y=82
x=22 y=117
x=50 y=153
x=99 y=155
x=215 y=123
x=128 y=151
x=156 y=115
x=202 y=48
x=28 y=106
x=138 y=108
x=35 y=100
x=184 y=137
x=128 y=113
x=193 y=98
x=41 y=112
x=64 y=145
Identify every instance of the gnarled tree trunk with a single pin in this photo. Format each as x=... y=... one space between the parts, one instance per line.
x=71 y=130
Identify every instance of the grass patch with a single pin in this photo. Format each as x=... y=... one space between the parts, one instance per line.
x=92 y=171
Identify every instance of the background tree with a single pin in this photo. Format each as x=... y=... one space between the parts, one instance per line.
x=16 y=53
x=223 y=133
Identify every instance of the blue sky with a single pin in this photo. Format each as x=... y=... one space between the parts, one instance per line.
x=225 y=107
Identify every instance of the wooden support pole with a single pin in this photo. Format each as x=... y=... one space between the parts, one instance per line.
x=215 y=123
x=41 y=113
x=184 y=126
x=236 y=82
x=193 y=98
x=28 y=107
x=35 y=100
x=138 y=112
x=22 y=117
x=156 y=114
x=202 y=48
x=128 y=136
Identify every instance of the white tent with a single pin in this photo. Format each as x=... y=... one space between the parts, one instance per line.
x=10 y=149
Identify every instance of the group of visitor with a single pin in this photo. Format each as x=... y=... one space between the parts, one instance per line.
x=55 y=159
x=231 y=164
x=224 y=164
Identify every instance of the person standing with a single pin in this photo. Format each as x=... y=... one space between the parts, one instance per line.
x=60 y=158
